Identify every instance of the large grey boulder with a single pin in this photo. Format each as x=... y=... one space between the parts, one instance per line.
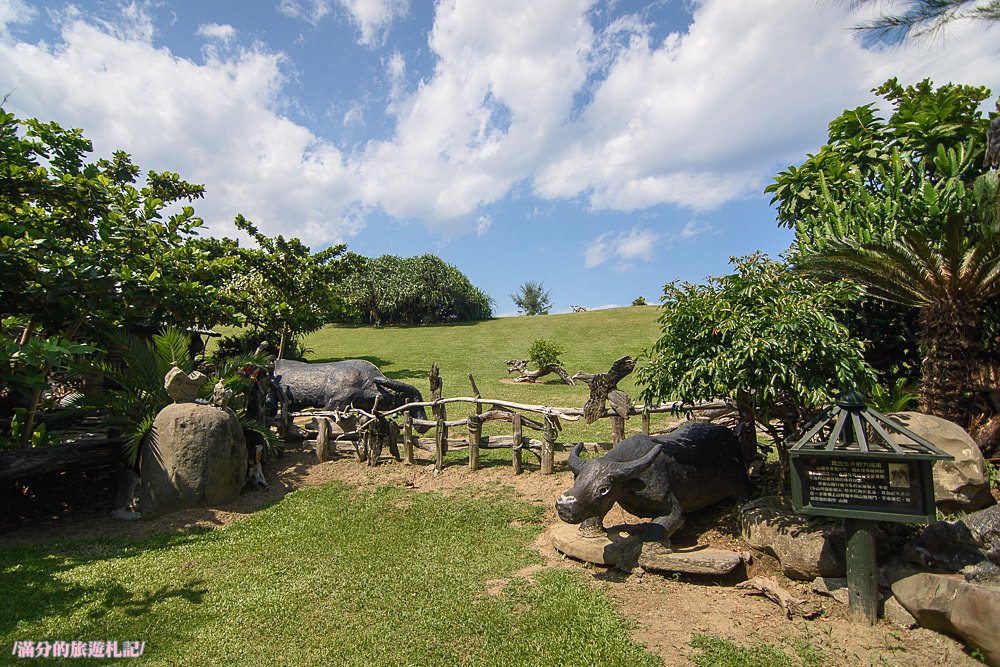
x=195 y=456
x=947 y=604
x=805 y=550
x=962 y=485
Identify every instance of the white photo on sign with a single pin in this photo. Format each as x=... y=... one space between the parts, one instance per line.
x=899 y=476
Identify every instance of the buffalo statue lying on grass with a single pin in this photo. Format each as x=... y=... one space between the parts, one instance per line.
x=694 y=467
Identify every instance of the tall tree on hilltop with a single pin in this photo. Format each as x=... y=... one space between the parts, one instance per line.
x=532 y=298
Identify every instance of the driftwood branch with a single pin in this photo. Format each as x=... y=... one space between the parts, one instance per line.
x=521 y=366
x=770 y=589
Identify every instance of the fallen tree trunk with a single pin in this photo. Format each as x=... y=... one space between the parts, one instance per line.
x=24 y=463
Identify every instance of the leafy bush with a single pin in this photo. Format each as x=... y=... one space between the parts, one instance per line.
x=766 y=337
x=543 y=352
x=639 y=301
x=249 y=340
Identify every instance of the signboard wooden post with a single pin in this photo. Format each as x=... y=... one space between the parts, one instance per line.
x=848 y=465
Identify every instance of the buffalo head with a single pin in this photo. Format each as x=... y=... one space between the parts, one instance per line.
x=595 y=481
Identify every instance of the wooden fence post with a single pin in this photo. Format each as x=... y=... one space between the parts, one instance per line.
x=617 y=430
x=440 y=445
x=408 y=439
x=476 y=394
x=548 y=444
x=475 y=432
x=645 y=419
x=440 y=412
x=516 y=449
x=323 y=439
x=361 y=447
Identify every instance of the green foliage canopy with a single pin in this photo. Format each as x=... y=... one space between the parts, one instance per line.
x=83 y=243
x=414 y=290
x=764 y=336
x=532 y=298
x=880 y=157
x=284 y=288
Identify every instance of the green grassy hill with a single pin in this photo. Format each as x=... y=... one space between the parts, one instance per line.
x=593 y=340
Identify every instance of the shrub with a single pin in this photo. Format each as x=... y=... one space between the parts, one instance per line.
x=543 y=352
x=247 y=341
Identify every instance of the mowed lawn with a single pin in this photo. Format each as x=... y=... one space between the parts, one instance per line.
x=334 y=575
x=328 y=576
x=593 y=340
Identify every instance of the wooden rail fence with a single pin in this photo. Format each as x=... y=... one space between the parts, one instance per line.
x=370 y=432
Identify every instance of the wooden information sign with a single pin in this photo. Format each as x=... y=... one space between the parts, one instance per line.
x=850 y=465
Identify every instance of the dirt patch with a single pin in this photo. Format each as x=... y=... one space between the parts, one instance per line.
x=665 y=610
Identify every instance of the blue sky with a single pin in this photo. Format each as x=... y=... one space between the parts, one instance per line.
x=604 y=148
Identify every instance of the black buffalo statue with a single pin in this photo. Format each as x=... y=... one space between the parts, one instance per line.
x=696 y=466
x=337 y=385
x=970 y=545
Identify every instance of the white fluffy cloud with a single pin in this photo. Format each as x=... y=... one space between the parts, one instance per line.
x=213 y=123
x=14 y=12
x=490 y=115
x=372 y=18
x=695 y=120
x=635 y=244
x=526 y=95
x=223 y=33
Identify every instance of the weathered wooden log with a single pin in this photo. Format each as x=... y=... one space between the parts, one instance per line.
x=532 y=376
x=475 y=392
x=569 y=414
x=408 y=439
x=490 y=442
x=770 y=589
x=549 y=444
x=436 y=388
x=617 y=429
x=440 y=445
x=323 y=439
x=516 y=448
x=475 y=433
x=24 y=463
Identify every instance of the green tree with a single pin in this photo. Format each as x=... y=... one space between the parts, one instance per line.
x=875 y=181
x=414 y=290
x=764 y=337
x=950 y=276
x=924 y=17
x=85 y=249
x=285 y=289
x=84 y=246
x=532 y=298
x=864 y=149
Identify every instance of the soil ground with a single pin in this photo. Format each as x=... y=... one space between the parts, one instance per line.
x=664 y=610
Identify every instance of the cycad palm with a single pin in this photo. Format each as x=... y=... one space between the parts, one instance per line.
x=949 y=282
